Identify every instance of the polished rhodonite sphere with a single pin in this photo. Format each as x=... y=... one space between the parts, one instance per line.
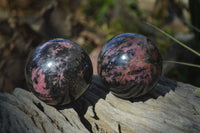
x=58 y=72
x=130 y=65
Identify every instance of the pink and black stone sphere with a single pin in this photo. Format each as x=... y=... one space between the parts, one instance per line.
x=58 y=72
x=130 y=65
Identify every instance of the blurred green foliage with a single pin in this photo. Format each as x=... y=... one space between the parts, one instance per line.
x=98 y=9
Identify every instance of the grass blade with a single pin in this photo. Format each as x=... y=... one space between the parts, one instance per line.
x=183 y=63
x=174 y=39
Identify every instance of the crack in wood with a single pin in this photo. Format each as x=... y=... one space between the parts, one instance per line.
x=83 y=120
x=39 y=105
x=55 y=122
x=41 y=108
x=86 y=123
x=95 y=114
x=96 y=126
x=43 y=127
x=119 y=128
x=32 y=118
x=66 y=118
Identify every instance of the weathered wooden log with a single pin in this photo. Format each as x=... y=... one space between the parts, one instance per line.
x=170 y=107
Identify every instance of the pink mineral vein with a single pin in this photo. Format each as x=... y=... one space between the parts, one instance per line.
x=40 y=48
x=65 y=44
x=39 y=87
x=109 y=79
x=44 y=45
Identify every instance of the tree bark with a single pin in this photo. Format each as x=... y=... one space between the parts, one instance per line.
x=170 y=107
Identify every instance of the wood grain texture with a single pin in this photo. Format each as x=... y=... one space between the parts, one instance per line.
x=170 y=107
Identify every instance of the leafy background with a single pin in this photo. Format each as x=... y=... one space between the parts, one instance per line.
x=25 y=24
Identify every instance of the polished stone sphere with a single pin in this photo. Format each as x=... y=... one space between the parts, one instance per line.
x=58 y=72
x=130 y=65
